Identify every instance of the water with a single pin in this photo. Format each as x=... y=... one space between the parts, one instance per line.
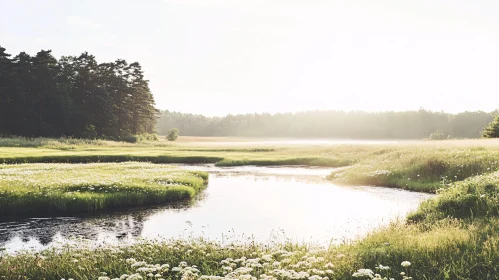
x=280 y=142
x=243 y=203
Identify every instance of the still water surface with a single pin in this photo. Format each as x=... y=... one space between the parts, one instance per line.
x=243 y=203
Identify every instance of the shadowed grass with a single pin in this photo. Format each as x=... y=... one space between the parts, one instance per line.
x=42 y=189
x=178 y=154
x=330 y=162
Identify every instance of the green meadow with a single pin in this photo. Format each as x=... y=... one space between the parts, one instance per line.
x=50 y=189
x=424 y=166
x=452 y=236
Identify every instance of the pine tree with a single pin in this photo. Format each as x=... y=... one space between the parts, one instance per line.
x=492 y=130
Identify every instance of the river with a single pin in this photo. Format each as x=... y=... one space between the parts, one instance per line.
x=240 y=203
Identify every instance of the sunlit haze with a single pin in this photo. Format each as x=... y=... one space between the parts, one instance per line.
x=232 y=56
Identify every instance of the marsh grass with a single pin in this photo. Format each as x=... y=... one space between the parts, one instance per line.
x=46 y=189
x=419 y=168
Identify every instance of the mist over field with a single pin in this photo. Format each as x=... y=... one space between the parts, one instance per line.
x=332 y=124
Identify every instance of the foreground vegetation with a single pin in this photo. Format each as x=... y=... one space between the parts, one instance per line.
x=44 y=189
x=195 y=259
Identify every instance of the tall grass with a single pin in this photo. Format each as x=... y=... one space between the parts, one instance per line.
x=41 y=189
x=419 y=168
x=474 y=198
x=109 y=158
x=74 y=143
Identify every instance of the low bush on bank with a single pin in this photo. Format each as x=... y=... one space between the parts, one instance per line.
x=139 y=138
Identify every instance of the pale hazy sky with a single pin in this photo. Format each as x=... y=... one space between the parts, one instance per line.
x=237 y=56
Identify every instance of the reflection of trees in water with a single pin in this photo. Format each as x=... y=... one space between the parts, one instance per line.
x=120 y=224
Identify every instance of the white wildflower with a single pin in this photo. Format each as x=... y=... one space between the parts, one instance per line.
x=363 y=273
x=382 y=267
x=405 y=264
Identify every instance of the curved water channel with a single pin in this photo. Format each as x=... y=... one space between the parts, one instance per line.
x=240 y=203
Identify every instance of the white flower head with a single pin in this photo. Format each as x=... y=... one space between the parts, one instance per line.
x=405 y=264
x=363 y=273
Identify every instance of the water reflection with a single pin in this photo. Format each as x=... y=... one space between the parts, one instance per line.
x=247 y=202
x=118 y=226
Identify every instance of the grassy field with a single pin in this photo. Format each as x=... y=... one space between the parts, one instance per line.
x=44 y=189
x=453 y=236
x=424 y=166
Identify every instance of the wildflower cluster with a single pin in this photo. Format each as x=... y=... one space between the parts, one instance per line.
x=383 y=272
x=193 y=259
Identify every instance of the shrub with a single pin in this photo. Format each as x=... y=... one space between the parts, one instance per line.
x=131 y=138
x=139 y=138
x=172 y=134
x=438 y=135
x=90 y=132
x=150 y=137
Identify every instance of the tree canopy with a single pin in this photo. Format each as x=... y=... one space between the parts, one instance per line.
x=73 y=96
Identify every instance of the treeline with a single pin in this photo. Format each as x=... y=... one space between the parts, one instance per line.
x=334 y=124
x=73 y=96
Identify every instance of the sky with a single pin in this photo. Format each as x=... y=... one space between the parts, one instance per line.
x=216 y=57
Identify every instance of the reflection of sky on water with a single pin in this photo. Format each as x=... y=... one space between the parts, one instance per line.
x=240 y=202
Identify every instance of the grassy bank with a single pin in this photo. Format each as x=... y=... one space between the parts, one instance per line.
x=44 y=189
x=423 y=166
x=453 y=236
x=223 y=155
